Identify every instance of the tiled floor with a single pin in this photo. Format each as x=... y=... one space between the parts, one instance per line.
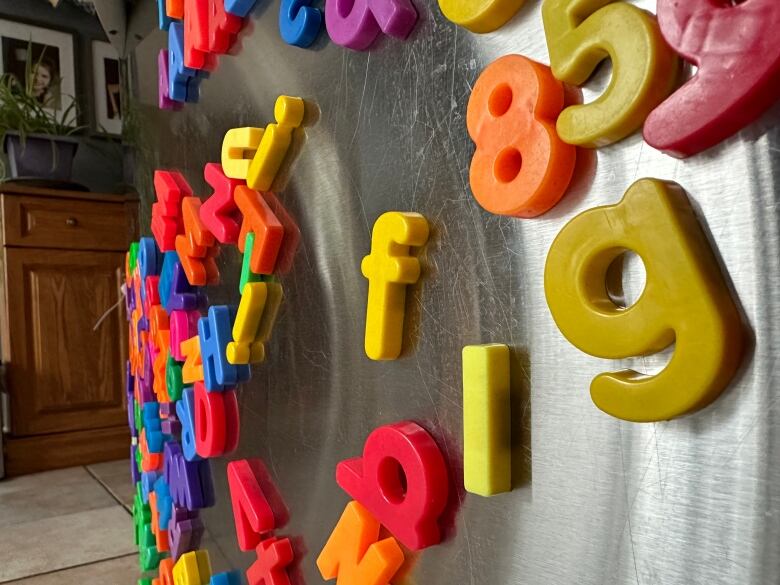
x=68 y=526
x=115 y=477
x=74 y=526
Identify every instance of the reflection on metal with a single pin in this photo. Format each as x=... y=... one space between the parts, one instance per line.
x=5 y=405
x=596 y=500
x=112 y=15
x=126 y=23
x=5 y=417
x=141 y=20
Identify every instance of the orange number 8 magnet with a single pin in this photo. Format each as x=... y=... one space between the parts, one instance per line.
x=521 y=167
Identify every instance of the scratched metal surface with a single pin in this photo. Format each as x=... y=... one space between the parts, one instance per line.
x=597 y=500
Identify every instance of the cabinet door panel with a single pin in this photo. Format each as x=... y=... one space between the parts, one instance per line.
x=63 y=375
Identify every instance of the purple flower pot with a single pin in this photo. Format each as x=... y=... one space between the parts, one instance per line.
x=42 y=156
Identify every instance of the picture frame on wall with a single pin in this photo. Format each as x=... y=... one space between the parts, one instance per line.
x=106 y=75
x=53 y=76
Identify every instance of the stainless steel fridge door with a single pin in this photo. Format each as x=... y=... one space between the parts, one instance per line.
x=5 y=418
x=596 y=500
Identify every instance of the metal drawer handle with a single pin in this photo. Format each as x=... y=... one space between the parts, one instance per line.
x=72 y=222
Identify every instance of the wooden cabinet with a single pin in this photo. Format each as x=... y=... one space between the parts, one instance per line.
x=63 y=262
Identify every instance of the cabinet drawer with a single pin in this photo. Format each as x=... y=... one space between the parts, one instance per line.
x=61 y=223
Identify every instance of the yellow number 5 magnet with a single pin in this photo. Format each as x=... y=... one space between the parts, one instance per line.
x=580 y=35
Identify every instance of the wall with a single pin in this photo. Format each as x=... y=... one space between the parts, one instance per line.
x=98 y=163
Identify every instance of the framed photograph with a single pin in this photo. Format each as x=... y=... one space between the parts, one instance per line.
x=52 y=74
x=108 y=88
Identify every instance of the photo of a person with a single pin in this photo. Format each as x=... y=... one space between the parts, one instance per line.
x=107 y=77
x=44 y=68
x=41 y=61
x=42 y=79
x=113 y=104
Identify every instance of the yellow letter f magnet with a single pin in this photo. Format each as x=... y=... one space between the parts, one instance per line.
x=389 y=268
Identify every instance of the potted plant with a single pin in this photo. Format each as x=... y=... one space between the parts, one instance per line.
x=36 y=138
